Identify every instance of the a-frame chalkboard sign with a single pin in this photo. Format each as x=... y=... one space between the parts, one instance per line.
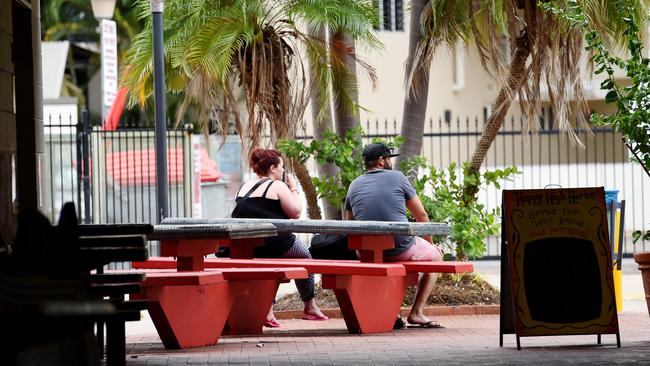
x=556 y=270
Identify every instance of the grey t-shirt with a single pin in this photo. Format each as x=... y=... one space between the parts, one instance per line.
x=381 y=195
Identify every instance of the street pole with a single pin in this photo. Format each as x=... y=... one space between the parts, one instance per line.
x=162 y=205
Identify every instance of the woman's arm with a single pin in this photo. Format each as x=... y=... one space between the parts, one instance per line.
x=289 y=198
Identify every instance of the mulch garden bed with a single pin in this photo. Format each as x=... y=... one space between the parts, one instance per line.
x=451 y=289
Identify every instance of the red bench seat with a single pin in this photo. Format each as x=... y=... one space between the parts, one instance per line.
x=321 y=266
x=437 y=267
x=162 y=278
x=359 y=287
x=282 y=274
x=191 y=309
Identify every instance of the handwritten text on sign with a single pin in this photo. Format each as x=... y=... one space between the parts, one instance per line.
x=559 y=261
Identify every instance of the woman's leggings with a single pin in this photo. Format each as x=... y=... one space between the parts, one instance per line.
x=306 y=286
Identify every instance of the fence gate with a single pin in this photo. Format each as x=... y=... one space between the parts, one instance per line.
x=110 y=175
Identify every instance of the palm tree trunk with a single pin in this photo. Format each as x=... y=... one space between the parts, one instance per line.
x=302 y=174
x=327 y=170
x=330 y=211
x=415 y=100
x=500 y=107
x=344 y=117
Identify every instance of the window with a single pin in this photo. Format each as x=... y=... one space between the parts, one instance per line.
x=458 y=68
x=391 y=15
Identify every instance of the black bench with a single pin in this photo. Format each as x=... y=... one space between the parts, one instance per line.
x=103 y=244
x=50 y=297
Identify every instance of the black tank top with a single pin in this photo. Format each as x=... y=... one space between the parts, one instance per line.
x=264 y=208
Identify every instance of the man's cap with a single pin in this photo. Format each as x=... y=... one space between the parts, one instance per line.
x=377 y=150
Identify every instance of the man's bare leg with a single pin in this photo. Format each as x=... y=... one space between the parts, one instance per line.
x=422 y=292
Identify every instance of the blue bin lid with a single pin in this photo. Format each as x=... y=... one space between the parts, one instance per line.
x=611 y=195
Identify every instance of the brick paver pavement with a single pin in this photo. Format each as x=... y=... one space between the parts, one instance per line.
x=466 y=340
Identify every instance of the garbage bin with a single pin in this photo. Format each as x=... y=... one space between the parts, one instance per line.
x=615 y=223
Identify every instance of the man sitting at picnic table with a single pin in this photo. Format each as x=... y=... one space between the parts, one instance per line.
x=383 y=194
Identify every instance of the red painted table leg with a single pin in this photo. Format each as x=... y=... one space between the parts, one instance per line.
x=252 y=301
x=242 y=248
x=371 y=247
x=189 y=316
x=369 y=304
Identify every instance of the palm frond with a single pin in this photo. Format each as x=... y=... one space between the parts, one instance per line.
x=61 y=31
x=555 y=48
x=217 y=48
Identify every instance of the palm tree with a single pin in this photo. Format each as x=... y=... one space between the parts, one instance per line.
x=74 y=21
x=219 y=49
x=68 y=20
x=344 y=88
x=322 y=121
x=544 y=48
x=346 y=114
x=216 y=48
x=415 y=103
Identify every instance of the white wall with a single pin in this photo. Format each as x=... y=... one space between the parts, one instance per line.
x=63 y=111
x=629 y=178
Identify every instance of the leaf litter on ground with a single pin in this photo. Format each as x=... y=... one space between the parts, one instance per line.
x=451 y=289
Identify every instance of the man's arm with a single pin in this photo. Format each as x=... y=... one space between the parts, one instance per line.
x=416 y=208
x=348 y=215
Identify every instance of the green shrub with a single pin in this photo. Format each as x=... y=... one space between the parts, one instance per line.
x=441 y=193
x=632 y=116
x=470 y=225
x=343 y=152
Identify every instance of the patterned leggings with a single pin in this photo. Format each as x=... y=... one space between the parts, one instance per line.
x=306 y=286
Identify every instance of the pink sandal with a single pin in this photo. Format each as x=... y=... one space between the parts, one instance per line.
x=273 y=323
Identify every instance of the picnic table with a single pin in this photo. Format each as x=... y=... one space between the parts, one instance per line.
x=370 y=238
x=191 y=306
x=369 y=291
x=190 y=243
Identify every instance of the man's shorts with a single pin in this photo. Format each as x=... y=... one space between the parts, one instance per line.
x=421 y=250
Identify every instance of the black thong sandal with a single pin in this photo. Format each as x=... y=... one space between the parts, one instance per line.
x=429 y=324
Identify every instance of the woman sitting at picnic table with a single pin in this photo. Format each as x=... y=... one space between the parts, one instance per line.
x=272 y=194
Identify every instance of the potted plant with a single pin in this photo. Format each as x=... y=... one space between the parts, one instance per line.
x=643 y=260
x=632 y=101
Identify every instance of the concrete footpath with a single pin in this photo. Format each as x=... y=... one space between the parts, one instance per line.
x=465 y=340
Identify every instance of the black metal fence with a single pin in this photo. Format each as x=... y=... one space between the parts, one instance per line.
x=454 y=141
x=110 y=175
x=545 y=158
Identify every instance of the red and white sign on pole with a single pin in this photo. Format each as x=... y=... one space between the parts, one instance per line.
x=108 y=64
